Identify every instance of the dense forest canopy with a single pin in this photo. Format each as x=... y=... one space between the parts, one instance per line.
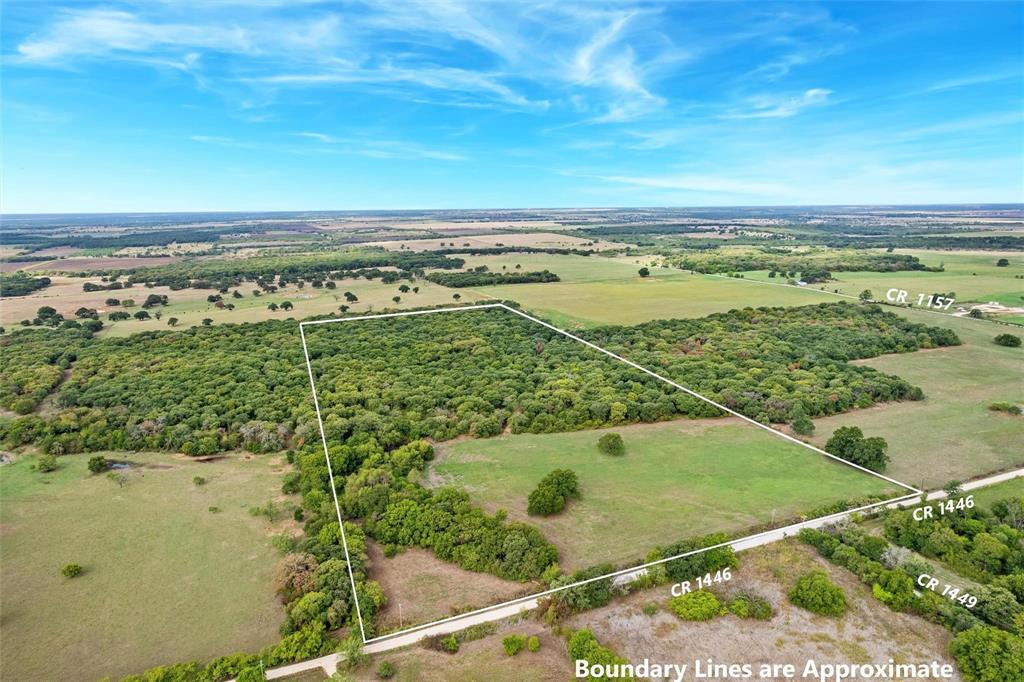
x=847 y=260
x=21 y=284
x=477 y=278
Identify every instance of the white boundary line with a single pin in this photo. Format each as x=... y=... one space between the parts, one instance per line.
x=323 y=437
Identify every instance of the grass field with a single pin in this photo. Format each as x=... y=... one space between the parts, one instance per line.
x=677 y=480
x=191 y=307
x=951 y=434
x=165 y=579
x=990 y=493
x=973 y=276
x=596 y=290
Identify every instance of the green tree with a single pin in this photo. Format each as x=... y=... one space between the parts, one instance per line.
x=71 y=571
x=172 y=321
x=987 y=654
x=97 y=464
x=1002 y=263
x=287 y=305
x=207 y=321
x=866 y=296
x=644 y=272
x=611 y=444
x=513 y=644
x=46 y=463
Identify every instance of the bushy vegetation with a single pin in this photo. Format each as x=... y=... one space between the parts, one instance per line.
x=816 y=593
x=552 y=492
x=20 y=284
x=71 y=571
x=849 y=443
x=481 y=279
x=699 y=605
x=513 y=644
x=1009 y=340
x=583 y=646
x=611 y=444
x=1002 y=406
x=988 y=654
x=750 y=605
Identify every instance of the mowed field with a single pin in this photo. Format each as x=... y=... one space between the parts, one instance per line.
x=991 y=493
x=165 y=579
x=595 y=290
x=191 y=307
x=950 y=434
x=677 y=480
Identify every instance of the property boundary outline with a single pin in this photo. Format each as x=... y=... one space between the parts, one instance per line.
x=636 y=569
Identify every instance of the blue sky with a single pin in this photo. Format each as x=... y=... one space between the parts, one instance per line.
x=274 y=105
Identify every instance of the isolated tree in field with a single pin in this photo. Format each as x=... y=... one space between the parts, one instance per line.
x=866 y=296
x=236 y=294
x=550 y=495
x=644 y=272
x=816 y=593
x=287 y=305
x=207 y=321
x=1008 y=340
x=172 y=321
x=1002 y=263
x=46 y=463
x=456 y=296
x=849 y=443
x=350 y=297
x=396 y=299
x=772 y=274
x=343 y=308
x=272 y=306
x=611 y=444
x=71 y=571
x=141 y=315
x=158 y=314
x=404 y=288
x=976 y=313
x=97 y=464
x=415 y=290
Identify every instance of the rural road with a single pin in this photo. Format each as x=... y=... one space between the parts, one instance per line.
x=329 y=663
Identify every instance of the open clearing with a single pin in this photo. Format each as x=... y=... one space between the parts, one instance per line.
x=421 y=588
x=677 y=480
x=951 y=434
x=152 y=553
x=535 y=239
x=596 y=290
x=869 y=632
x=990 y=493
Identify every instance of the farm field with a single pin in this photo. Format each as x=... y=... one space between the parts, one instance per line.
x=677 y=479
x=950 y=434
x=595 y=291
x=151 y=551
x=535 y=239
x=191 y=307
x=972 y=276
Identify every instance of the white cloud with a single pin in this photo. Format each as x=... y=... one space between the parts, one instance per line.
x=773 y=106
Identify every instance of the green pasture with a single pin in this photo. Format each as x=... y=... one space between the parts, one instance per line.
x=165 y=579
x=991 y=493
x=677 y=479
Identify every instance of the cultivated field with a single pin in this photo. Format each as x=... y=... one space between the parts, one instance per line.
x=678 y=479
x=535 y=239
x=951 y=434
x=869 y=632
x=153 y=554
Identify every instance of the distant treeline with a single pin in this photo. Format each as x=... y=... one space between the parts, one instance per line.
x=20 y=284
x=118 y=241
x=459 y=280
x=498 y=250
x=847 y=260
x=221 y=273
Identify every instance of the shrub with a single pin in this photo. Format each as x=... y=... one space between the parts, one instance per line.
x=513 y=644
x=97 y=464
x=71 y=571
x=987 y=654
x=803 y=425
x=46 y=463
x=650 y=608
x=849 y=443
x=550 y=494
x=699 y=605
x=748 y=605
x=198 y=480
x=385 y=670
x=533 y=644
x=1009 y=408
x=1009 y=340
x=611 y=444
x=816 y=593
x=450 y=643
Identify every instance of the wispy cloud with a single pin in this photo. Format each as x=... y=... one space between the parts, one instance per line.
x=381 y=149
x=773 y=106
x=975 y=79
